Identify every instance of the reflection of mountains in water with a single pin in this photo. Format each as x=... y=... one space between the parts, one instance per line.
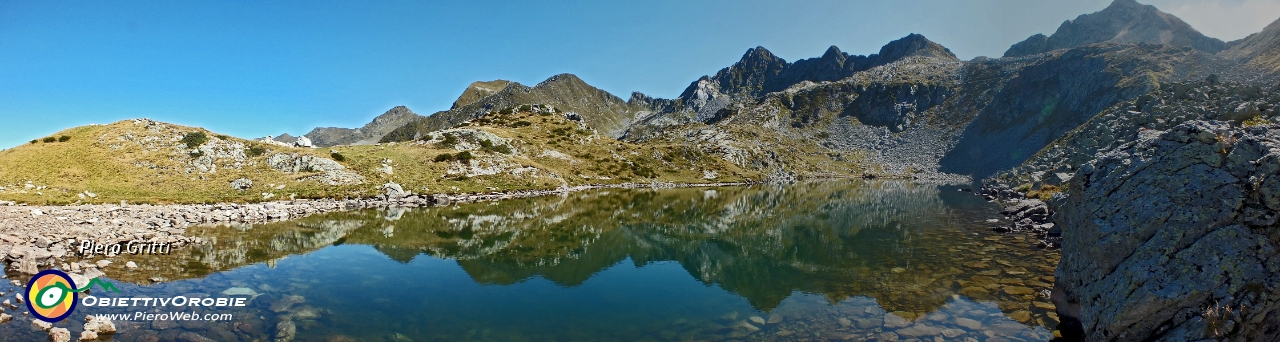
x=838 y=239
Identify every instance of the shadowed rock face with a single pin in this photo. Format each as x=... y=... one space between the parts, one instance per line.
x=1174 y=237
x=1124 y=21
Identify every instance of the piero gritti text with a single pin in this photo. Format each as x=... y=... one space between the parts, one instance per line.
x=90 y=248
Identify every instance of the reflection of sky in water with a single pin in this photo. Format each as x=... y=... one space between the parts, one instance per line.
x=799 y=263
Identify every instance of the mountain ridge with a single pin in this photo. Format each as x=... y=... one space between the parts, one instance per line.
x=1123 y=21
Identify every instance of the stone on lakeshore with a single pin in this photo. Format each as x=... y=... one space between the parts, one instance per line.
x=59 y=335
x=130 y=265
x=88 y=335
x=44 y=326
x=756 y=319
x=103 y=263
x=5 y=318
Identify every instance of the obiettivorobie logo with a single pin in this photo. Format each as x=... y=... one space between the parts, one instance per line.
x=52 y=295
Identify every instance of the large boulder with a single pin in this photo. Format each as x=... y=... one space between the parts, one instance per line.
x=1174 y=238
x=292 y=162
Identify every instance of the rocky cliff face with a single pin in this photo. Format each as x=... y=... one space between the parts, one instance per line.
x=1174 y=237
x=369 y=134
x=1124 y=21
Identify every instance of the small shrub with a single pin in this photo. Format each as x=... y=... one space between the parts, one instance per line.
x=256 y=150
x=1254 y=121
x=464 y=157
x=443 y=157
x=34 y=141
x=224 y=137
x=49 y=139
x=196 y=154
x=1023 y=188
x=64 y=138
x=448 y=141
x=521 y=123
x=338 y=156
x=194 y=139
x=488 y=146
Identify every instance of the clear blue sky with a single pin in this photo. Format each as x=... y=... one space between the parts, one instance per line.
x=256 y=68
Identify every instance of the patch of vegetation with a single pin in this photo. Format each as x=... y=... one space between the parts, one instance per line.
x=194 y=139
x=487 y=146
x=49 y=139
x=224 y=137
x=256 y=150
x=1254 y=121
x=1045 y=192
x=443 y=157
x=337 y=156
x=196 y=154
x=64 y=138
x=448 y=142
x=34 y=141
x=464 y=157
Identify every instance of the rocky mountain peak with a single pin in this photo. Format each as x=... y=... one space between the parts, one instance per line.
x=1124 y=21
x=912 y=45
x=834 y=53
x=479 y=90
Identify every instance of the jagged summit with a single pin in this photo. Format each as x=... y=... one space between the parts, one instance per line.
x=1124 y=21
x=760 y=72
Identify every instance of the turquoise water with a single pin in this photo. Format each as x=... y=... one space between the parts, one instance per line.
x=813 y=261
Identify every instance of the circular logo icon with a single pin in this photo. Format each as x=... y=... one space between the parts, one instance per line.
x=50 y=297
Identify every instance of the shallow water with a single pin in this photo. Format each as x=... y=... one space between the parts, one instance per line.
x=812 y=261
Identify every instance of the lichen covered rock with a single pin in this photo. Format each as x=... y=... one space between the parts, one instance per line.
x=1174 y=237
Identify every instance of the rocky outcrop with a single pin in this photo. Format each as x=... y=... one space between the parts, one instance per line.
x=1124 y=21
x=1174 y=237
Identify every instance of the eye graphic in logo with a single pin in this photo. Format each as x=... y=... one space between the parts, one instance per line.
x=52 y=295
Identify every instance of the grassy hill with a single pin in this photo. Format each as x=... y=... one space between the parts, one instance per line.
x=528 y=147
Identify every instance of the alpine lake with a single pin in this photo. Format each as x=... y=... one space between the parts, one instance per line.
x=813 y=261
